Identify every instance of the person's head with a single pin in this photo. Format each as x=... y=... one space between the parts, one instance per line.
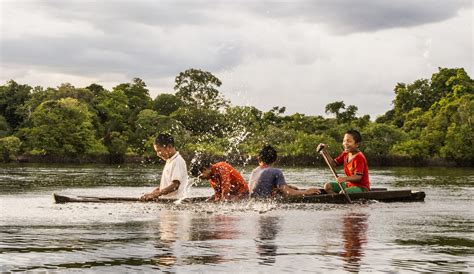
x=164 y=146
x=201 y=168
x=352 y=140
x=267 y=155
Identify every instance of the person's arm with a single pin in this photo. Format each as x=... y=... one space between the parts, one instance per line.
x=288 y=191
x=353 y=179
x=171 y=188
x=157 y=192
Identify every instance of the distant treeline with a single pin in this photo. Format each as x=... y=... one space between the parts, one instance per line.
x=431 y=121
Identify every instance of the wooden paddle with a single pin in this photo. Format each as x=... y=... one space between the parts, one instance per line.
x=326 y=158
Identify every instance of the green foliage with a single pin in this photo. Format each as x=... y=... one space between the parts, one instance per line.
x=198 y=89
x=117 y=144
x=12 y=98
x=430 y=118
x=137 y=95
x=459 y=144
x=201 y=121
x=4 y=127
x=63 y=127
x=9 y=148
x=342 y=116
x=417 y=149
x=165 y=104
x=378 y=139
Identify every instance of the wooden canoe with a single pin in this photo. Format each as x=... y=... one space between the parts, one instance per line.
x=381 y=196
x=377 y=195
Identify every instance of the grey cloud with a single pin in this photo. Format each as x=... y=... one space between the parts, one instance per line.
x=91 y=56
x=341 y=16
x=348 y=16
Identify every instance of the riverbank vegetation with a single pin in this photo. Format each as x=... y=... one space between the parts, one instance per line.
x=431 y=122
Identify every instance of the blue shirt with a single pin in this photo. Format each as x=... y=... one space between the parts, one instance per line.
x=269 y=179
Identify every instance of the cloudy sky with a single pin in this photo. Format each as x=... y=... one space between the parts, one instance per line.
x=298 y=54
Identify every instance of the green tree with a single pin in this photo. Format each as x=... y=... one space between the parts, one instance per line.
x=9 y=148
x=378 y=139
x=248 y=117
x=166 y=103
x=4 y=127
x=199 y=89
x=335 y=108
x=12 y=99
x=113 y=112
x=417 y=149
x=137 y=94
x=342 y=116
x=63 y=127
x=201 y=121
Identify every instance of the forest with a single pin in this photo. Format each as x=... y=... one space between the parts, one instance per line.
x=430 y=123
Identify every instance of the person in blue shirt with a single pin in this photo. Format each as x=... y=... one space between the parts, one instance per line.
x=267 y=181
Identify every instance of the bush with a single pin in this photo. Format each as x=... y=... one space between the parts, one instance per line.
x=9 y=148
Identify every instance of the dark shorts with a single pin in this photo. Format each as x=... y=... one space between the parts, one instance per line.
x=353 y=189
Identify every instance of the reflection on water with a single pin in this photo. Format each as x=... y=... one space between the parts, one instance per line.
x=268 y=227
x=168 y=225
x=35 y=234
x=354 y=236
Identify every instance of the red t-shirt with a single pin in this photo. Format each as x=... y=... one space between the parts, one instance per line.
x=227 y=182
x=357 y=166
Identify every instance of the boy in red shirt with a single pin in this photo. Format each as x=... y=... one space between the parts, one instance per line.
x=227 y=182
x=355 y=166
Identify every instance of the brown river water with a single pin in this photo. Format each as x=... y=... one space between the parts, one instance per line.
x=38 y=235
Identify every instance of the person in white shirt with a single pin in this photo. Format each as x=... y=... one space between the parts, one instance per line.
x=174 y=180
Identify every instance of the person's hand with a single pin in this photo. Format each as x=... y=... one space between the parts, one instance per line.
x=312 y=191
x=341 y=179
x=320 y=147
x=149 y=196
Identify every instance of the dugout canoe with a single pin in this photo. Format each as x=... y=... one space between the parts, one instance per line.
x=374 y=195
x=387 y=196
x=61 y=199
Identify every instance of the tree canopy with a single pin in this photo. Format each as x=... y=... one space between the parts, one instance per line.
x=430 y=118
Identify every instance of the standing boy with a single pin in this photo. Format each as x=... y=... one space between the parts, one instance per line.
x=174 y=180
x=226 y=181
x=267 y=181
x=355 y=166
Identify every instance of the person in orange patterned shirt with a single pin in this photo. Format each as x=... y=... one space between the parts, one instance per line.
x=226 y=181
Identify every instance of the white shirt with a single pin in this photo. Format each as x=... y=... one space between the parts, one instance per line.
x=175 y=170
x=254 y=177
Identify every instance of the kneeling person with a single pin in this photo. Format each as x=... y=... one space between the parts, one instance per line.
x=267 y=181
x=226 y=181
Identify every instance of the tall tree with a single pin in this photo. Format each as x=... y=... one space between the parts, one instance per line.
x=199 y=88
x=12 y=99
x=63 y=127
x=166 y=103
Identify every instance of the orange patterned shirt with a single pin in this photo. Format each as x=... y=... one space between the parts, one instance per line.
x=227 y=182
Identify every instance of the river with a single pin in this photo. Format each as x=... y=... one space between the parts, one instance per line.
x=38 y=235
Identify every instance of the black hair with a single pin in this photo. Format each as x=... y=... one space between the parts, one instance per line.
x=267 y=155
x=198 y=165
x=355 y=134
x=164 y=139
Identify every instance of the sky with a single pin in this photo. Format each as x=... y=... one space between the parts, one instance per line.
x=298 y=54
